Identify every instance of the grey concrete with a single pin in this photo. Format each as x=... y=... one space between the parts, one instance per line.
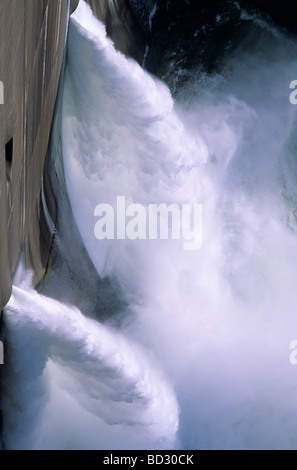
x=32 y=37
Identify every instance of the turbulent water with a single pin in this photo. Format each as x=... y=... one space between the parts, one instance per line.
x=198 y=356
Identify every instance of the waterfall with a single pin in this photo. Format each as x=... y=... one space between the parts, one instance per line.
x=196 y=353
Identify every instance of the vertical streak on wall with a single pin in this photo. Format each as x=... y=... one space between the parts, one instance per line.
x=1 y=93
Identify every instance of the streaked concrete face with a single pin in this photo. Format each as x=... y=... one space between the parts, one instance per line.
x=32 y=36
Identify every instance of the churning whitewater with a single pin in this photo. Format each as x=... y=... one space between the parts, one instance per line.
x=85 y=360
x=198 y=356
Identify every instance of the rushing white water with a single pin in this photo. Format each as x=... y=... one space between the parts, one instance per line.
x=217 y=322
x=60 y=357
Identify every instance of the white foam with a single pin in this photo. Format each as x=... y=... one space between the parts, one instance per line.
x=220 y=320
x=56 y=352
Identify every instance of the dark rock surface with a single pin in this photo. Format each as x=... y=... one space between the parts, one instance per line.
x=122 y=25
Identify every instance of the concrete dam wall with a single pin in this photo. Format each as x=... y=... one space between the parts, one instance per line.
x=32 y=38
